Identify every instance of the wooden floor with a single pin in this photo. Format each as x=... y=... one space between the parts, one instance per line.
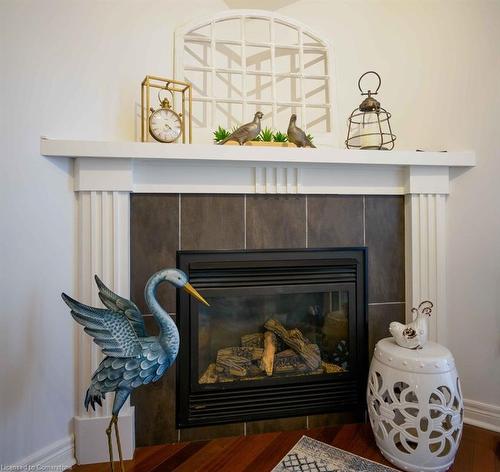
x=479 y=451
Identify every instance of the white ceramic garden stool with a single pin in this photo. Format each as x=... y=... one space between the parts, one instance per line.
x=415 y=405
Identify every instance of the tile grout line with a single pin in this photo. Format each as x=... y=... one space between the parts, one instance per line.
x=307 y=218
x=386 y=303
x=245 y=224
x=180 y=221
x=364 y=220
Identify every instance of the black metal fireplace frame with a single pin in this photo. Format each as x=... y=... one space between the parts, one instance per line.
x=206 y=405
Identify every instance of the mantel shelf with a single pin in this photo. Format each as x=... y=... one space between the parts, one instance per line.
x=248 y=154
x=206 y=168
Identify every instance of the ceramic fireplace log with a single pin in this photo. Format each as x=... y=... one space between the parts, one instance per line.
x=210 y=375
x=270 y=347
x=329 y=368
x=297 y=342
x=252 y=340
x=237 y=361
x=248 y=353
x=289 y=362
x=235 y=366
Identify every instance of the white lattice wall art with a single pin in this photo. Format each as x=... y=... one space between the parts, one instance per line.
x=415 y=405
x=240 y=62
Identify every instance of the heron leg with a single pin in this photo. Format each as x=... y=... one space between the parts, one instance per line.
x=110 y=444
x=118 y=443
x=121 y=396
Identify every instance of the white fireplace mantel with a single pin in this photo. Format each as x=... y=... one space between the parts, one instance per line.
x=105 y=173
x=206 y=168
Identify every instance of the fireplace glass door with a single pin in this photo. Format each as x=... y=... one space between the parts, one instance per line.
x=272 y=334
x=284 y=335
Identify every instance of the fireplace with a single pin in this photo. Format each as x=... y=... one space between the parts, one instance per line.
x=285 y=334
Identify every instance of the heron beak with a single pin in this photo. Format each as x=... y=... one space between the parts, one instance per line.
x=193 y=292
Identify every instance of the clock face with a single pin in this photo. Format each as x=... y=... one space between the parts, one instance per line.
x=165 y=125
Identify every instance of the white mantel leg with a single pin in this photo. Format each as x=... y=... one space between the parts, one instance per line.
x=103 y=233
x=426 y=190
x=425 y=236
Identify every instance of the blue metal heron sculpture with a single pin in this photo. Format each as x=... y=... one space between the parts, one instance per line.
x=132 y=357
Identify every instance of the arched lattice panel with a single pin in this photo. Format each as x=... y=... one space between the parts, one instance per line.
x=242 y=61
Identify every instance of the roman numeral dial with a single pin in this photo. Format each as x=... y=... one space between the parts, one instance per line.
x=165 y=125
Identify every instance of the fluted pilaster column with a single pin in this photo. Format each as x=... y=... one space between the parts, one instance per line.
x=425 y=240
x=103 y=231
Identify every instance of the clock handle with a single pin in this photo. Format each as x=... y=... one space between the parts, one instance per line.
x=162 y=100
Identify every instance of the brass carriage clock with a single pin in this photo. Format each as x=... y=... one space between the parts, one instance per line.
x=168 y=123
x=165 y=125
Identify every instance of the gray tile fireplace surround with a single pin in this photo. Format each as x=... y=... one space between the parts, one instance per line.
x=163 y=223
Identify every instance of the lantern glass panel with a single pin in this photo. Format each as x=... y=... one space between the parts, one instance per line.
x=370 y=133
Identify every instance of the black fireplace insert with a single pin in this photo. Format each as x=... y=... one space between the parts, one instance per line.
x=285 y=334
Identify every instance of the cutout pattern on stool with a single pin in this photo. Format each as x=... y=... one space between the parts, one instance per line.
x=407 y=418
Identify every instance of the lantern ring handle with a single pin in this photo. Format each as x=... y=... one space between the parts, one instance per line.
x=361 y=78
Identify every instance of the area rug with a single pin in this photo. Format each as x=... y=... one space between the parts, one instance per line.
x=309 y=455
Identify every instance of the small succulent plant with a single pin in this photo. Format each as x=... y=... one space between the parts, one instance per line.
x=280 y=137
x=310 y=137
x=266 y=134
x=220 y=134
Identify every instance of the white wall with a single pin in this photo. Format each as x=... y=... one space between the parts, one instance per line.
x=73 y=69
x=440 y=68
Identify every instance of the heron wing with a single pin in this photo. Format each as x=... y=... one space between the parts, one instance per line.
x=121 y=305
x=111 y=330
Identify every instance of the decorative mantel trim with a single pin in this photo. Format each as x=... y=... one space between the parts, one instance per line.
x=105 y=173
x=198 y=168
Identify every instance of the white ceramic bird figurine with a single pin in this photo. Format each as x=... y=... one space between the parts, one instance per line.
x=413 y=335
x=246 y=132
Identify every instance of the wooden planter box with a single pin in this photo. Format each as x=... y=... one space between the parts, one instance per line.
x=260 y=143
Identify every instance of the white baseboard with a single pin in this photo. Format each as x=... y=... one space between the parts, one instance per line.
x=91 y=443
x=480 y=414
x=59 y=455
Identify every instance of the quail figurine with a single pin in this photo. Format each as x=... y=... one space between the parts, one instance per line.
x=413 y=335
x=246 y=132
x=296 y=135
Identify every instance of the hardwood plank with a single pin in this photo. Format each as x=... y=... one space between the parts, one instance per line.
x=240 y=459
x=465 y=456
x=361 y=443
x=345 y=436
x=180 y=457
x=326 y=434
x=277 y=449
x=484 y=458
x=214 y=449
x=147 y=458
x=479 y=451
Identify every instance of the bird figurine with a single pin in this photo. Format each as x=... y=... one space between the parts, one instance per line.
x=413 y=335
x=296 y=135
x=246 y=132
x=133 y=358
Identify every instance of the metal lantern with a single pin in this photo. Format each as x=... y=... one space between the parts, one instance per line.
x=369 y=124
